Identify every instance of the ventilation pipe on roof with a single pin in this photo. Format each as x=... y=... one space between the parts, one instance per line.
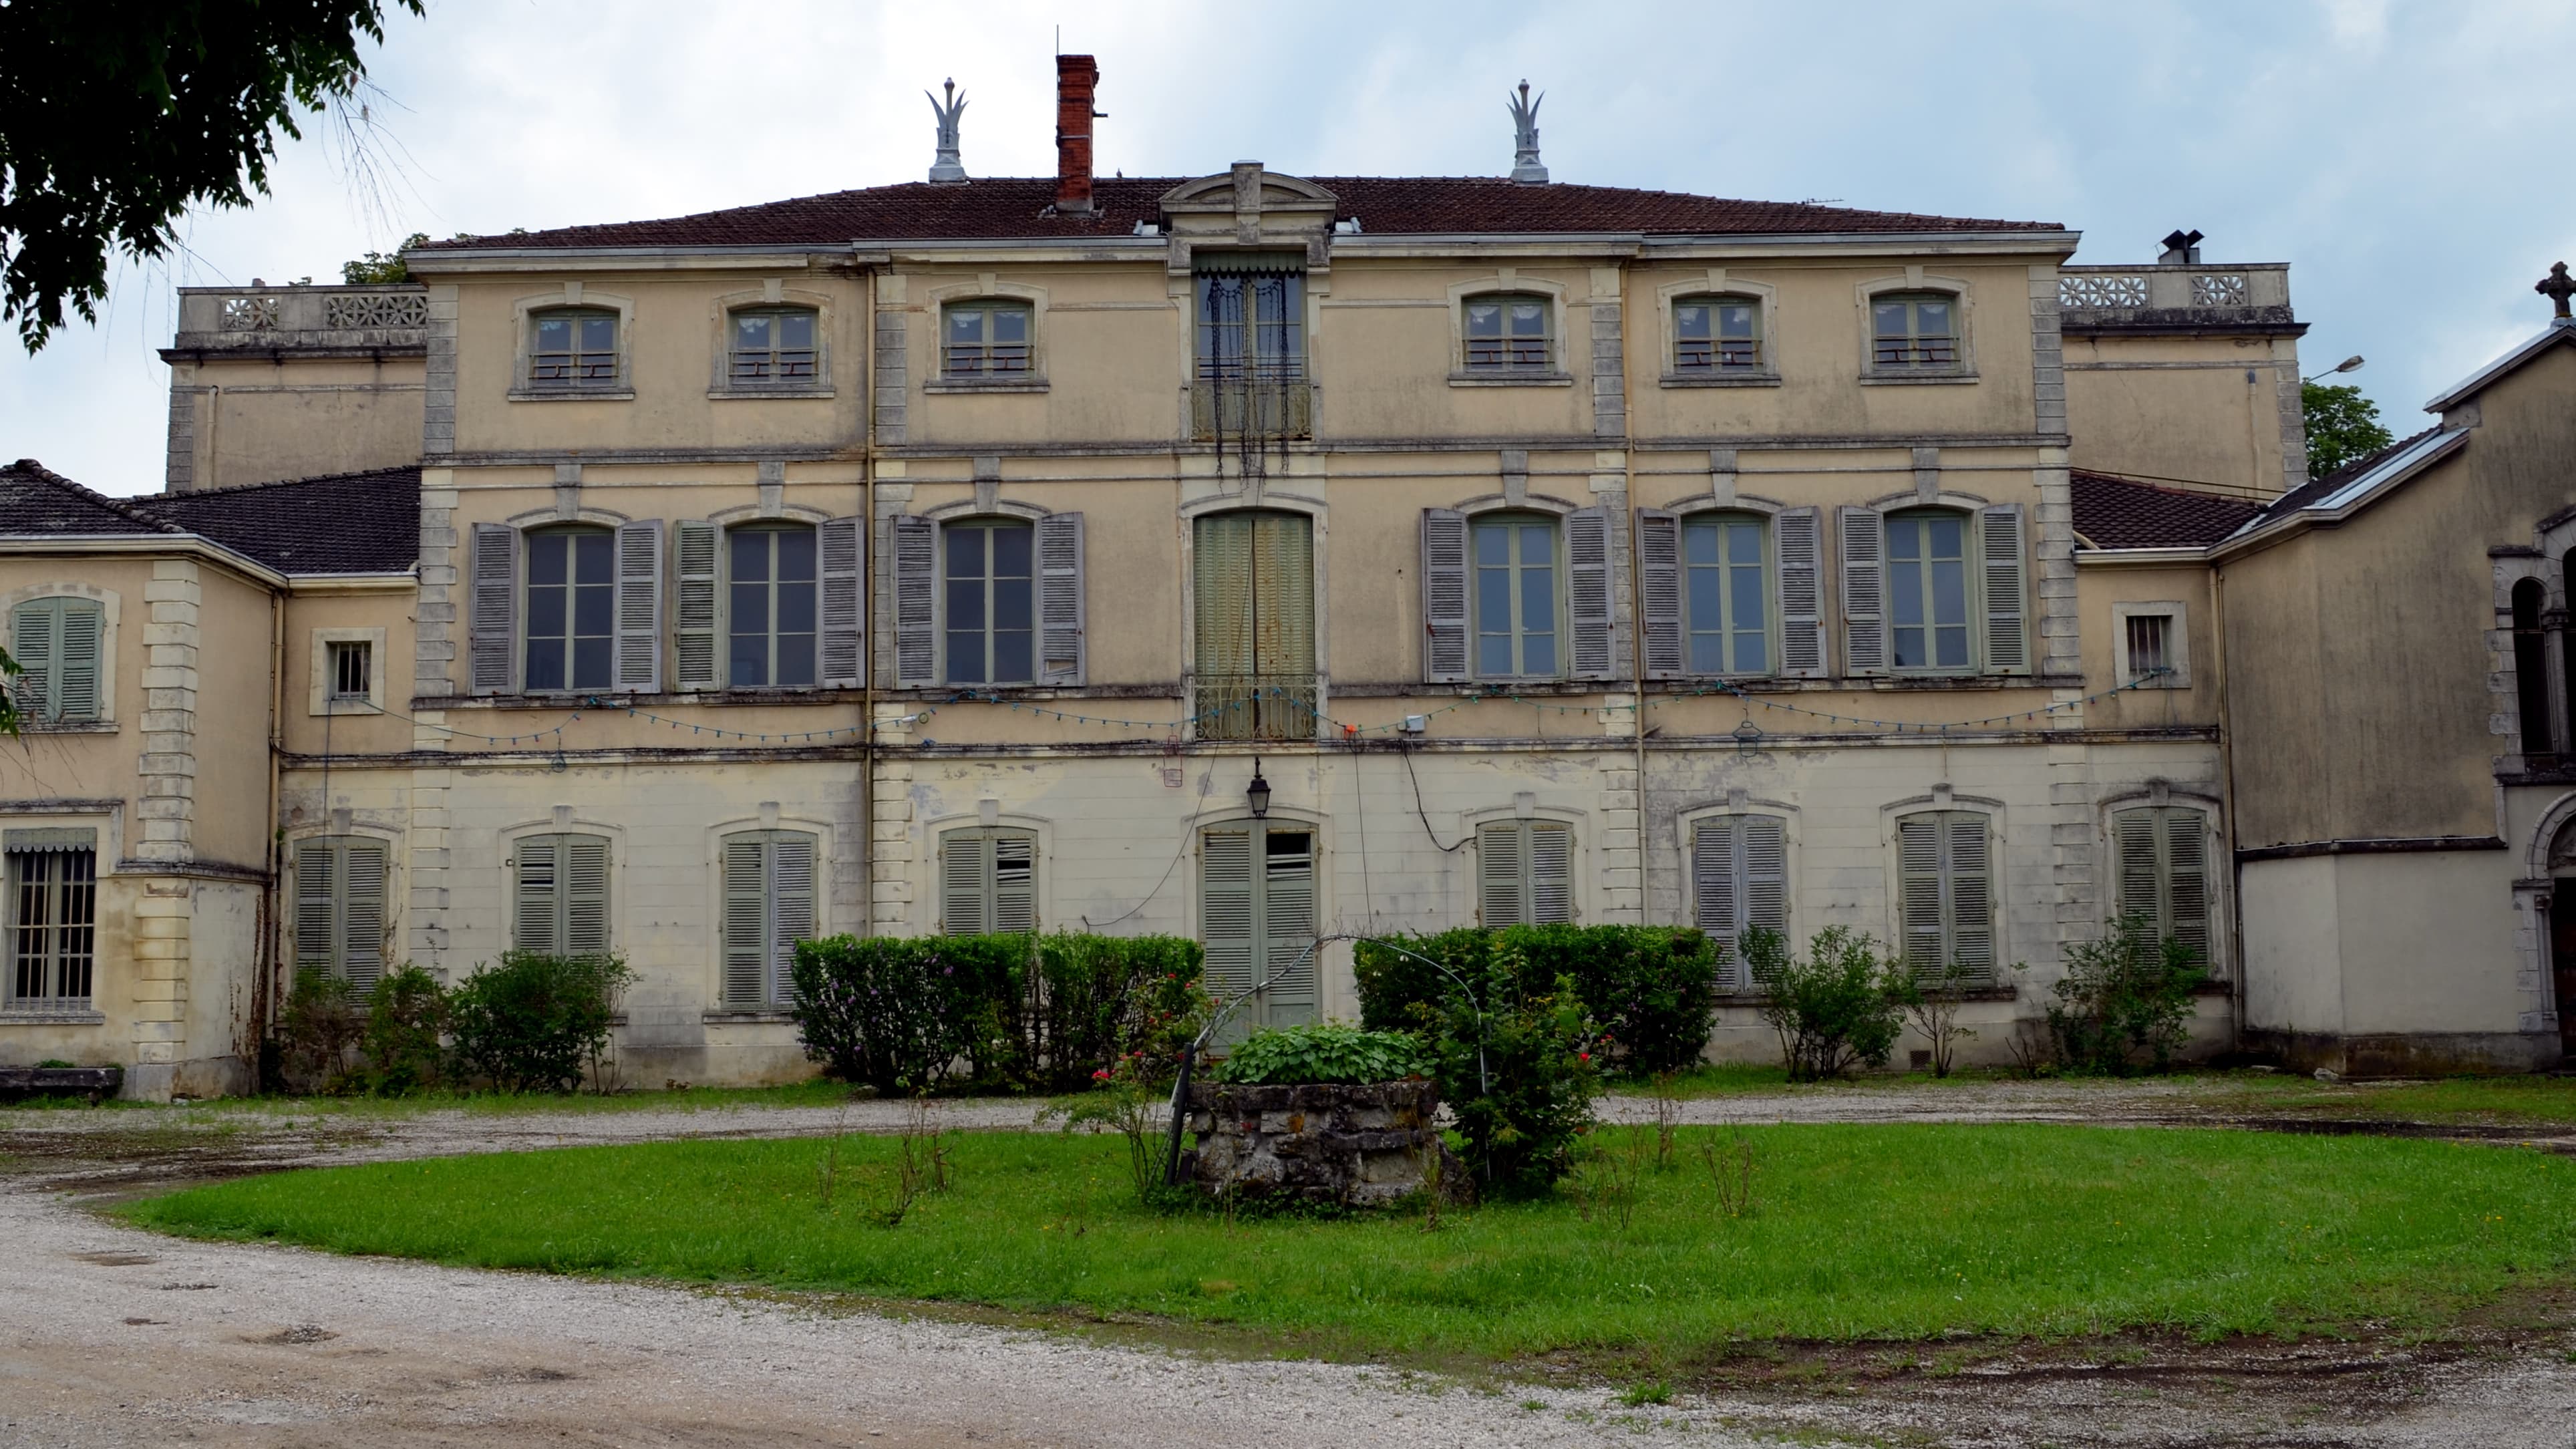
x=1076 y=79
x=2182 y=248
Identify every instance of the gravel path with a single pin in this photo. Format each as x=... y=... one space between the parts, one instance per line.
x=117 y=1337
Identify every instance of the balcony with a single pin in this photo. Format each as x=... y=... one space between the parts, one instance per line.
x=369 y=320
x=1254 y=408
x=2188 y=299
x=1255 y=707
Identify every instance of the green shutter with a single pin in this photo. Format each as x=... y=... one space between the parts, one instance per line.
x=540 y=910
x=316 y=897
x=362 y=911
x=745 y=911
x=31 y=643
x=76 y=659
x=965 y=870
x=1499 y=901
x=1283 y=561
x=1551 y=873
x=693 y=617
x=1222 y=565
x=1971 y=894
x=585 y=895
x=1716 y=902
x=1226 y=909
x=2186 y=840
x=2141 y=884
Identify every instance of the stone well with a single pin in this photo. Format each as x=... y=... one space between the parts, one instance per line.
x=1357 y=1146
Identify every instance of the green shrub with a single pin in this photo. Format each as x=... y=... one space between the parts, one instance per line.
x=535 y=1022
x=1096 y=999
x=1652 y=988
x=1516 y=1069
x=1835 y=1008
x=405 y=1041
x=1324 y=1052
x=2125 y=1001
x=324 y=1019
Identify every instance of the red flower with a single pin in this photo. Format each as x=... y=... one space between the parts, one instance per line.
x=1100 y=1076
x=1585 y=1056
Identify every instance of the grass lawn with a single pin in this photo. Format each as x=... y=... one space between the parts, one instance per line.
x=1858 y=1232
x=816 y=1093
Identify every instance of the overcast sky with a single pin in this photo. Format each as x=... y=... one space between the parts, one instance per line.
x=2408 y=159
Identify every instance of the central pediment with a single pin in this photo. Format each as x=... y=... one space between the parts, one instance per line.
x=1249 y=206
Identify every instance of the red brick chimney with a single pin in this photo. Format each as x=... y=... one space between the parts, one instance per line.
x=1076 y=77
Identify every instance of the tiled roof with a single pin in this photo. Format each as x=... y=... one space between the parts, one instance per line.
x=2318 y=488
x=1023 y=207
x=2116 y=512
x=345 y=523
x=35 y=500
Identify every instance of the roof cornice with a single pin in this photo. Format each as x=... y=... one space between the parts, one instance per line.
x=74 y=544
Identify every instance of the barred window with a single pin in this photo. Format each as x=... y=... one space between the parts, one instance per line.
x=53 y=919
x=773 y=345
x=573 y=347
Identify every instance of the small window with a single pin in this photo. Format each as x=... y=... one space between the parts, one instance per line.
x=1726 y=594
x=773 y=345
x=768 y=908
x=1516 y=598
x=988 y=881
x=770 y=607
x=1945 y=893
x=560 y=889
x=1927 y=591
x=2164 y=873
x=1717 y=334
x=1524 y=873
x=2148 y=648
x=572 y=586
x=986 y=339
x=2147 y=653
x=1507 y=331
x=1914 y=331
x=1739 y=882
x=573 y=347
x=990 y=601
x=53 y=919
x=58 y=644
x=352 y=670
x=340 y=908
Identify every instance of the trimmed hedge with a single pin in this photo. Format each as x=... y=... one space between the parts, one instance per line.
x=1039 y=1013
x=1652 y=989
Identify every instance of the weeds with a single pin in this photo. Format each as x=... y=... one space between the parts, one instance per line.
x=1605 y=1180
x=1668 y=1117
x=1654 y=1391
x=1730 y=1172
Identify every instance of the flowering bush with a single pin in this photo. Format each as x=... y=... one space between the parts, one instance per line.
x=1652 y=988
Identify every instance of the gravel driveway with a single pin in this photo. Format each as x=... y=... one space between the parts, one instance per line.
x=119 y=1337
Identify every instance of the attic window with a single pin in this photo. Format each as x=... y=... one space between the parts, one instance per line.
x=573 y=347
x=1508 y=331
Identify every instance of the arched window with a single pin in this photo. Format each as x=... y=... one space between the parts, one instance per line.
x=772 y=346
x=769 y=601
x=2531 y=669
x=1717 y=334
x=1928 y=616
x=572 y=347
x=1914 y=332
x=2567 y=665
x=570 y=609
x=1945 y=894
x=1508 y=331
x=59 y=644
x=989 y=568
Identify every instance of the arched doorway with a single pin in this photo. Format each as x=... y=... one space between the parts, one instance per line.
x=2562 y=932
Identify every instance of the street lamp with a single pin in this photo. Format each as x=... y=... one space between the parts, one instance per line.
x=1257 y=794
x=2347 y=365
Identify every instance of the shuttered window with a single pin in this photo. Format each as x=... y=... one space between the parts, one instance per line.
x=1739 y=881
x=988 y=881
x=58 y=644
x=561 y=890
x=768 y=908
x=990 y=613
x=1524 y=873
x=53 y=919
x=1515 y=584
x=1257 y=916
x=1945 y=893
x=1254 y=596
x=2163 y=866
x=340 y=907
x=570 y=609
x=769 y=607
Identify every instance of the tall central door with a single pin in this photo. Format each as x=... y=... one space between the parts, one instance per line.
x=1257 y=916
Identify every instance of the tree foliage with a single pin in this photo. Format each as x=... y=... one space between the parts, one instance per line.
x=382 y=269
x=2342 y=425
x=116 y=118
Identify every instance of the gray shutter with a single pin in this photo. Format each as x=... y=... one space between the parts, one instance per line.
x=1864 y=570
x=1499 y=875
x=746 y=902
x=1765 y=891
x=1288 y=929
x=1225 y=909
x=1971 y=893
x=316 y=906
x=1015 y=881
x=75 y=673
x=362 y=913
x=695 y=546
x=965 y=876
x=31 y=643
x=1999 y=535
x=1802 y=593
x=1061 y=642
x=639 y=606
x=1918 y=867
x=791 y=915
x=1444 y=596
x=585 y=895
x=1659 y=590
x=1551 y=874
x=2133 y=839
x=2186 y=843
x=539 y=895
x=1716 y=905
x=494 y=635
x=916 y=584
x=844 y=620
x=1587 y=594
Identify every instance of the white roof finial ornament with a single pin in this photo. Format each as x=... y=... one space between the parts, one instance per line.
x=1525 y=162
x=945 y=167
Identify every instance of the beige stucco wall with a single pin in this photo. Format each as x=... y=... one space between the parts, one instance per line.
x=2100 y=591
x=2124 y=395
x=259 y=419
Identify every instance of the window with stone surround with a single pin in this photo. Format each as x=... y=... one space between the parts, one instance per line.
x=1508 y=332
x=573 y=349
x=1718 y=334
x=1914 y=332
x=774 y=347
x=1524 y=873
x=768 y=908
x=988 y=880
x=559 y=894
x=1945 y=893
x=988 y=337
x=770 y=606
x=60 y=645
x=570 y=610
x=1739 y=882
x=2162 y=866
x=52 y=880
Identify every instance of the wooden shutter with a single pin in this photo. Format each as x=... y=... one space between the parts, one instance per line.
x=1740 y=880
x=493 y=634
x=844 y=632
x=540 y=897
x=1918 y=865
x=317 y=896
x=1999 y=535
x=32 y=626
x=76 y=660
x=1659 y=591
x=1287 y=914
x=916 y=587
x=965 y=874
x=1970 y=868
x=1864 y=591
x=791 y=912
x=1715 y=903
x=1802 y=593
x=2186 y=841
x=1283 y=568
x=1499 y=876
x=1015 y=868
x=585 y=895
x=1221 y=571
x=1062 y=651
x=639 y=606
x=696 y=544
x=362 y=911
x=1765 y=891
x=2133 y=835
x=746 y=901
x=1225 y=909
x=1587 y=594
x=1551 y=873
x=1444 y=596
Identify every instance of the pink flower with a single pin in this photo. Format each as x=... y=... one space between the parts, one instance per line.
x=1585 y=1056
x=1100 y=1076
